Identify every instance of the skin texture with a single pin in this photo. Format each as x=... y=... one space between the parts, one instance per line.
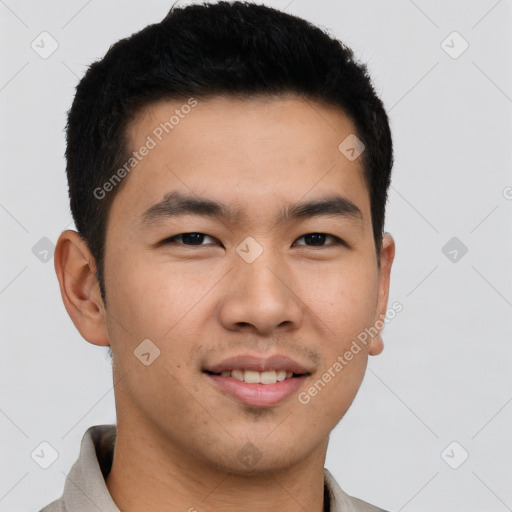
x=178 y=435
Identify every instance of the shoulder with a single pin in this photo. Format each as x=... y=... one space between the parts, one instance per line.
x=54 y=506
x=340 y=501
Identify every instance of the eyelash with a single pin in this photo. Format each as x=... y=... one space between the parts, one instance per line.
x=338 y=241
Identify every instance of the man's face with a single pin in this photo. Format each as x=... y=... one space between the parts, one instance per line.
x=251 y=284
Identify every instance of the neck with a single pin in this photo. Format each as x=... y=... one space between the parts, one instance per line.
x=145 y=475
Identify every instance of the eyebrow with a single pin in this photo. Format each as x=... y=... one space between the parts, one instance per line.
x=175 y=204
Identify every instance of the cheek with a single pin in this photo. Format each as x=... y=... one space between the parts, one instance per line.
x=345 y=302
x=343 y=297
x=156 y=299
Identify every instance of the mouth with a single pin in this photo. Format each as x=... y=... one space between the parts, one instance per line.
x=257 y=381
x=266 y=378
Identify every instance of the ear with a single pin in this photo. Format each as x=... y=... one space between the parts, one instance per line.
x=387 y=254
x=75 y=269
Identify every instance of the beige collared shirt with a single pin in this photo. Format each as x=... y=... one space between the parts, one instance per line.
x=85 y=489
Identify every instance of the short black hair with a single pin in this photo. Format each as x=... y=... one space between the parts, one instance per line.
x=238 y=49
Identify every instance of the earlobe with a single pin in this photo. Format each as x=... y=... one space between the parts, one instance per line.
x=387 y=255
x=75 y=269
x=376 y=345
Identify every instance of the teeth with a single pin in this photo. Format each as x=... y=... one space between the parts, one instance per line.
x=268 y=377
x=237 y=374
x=254 y=377
x=281 y=375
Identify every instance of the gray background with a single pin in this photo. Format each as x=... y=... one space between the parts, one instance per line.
x=444 y=375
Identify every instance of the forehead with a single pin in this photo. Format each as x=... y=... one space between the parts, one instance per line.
x=247 y=152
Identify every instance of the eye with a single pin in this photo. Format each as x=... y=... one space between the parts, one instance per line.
x=197 y=239
x=189 y=239
x=317 y=239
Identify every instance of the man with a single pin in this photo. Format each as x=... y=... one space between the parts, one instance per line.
x=228 y=172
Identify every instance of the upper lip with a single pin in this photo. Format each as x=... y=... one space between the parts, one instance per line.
x=259 y=364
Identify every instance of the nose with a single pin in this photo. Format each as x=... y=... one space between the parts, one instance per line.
x=262 y=297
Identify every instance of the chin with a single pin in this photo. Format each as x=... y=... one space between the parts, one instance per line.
x=261 y=456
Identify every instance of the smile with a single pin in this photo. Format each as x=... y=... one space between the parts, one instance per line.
x=255 y=377
x=256 y=389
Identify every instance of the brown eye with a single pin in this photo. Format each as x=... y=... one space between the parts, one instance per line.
x=189 y=239
x=318 y=239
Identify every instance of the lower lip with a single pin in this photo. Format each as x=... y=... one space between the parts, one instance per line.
x=257 y=395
